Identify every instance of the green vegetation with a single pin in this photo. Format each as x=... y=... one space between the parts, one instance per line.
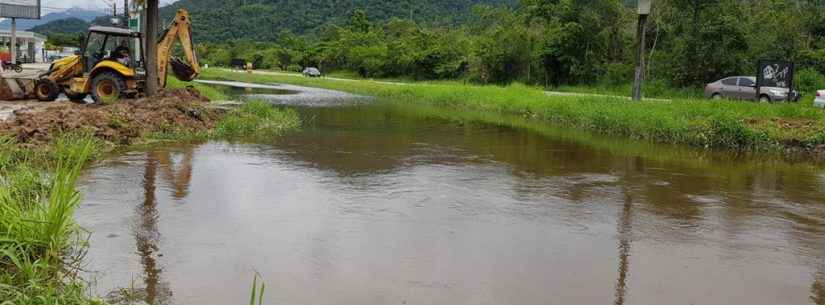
x=39 y=240
x=207 y=91
x=256 y=120
x=547 y=43
x=702 y=123
x=264 y=20
x=69 y=32
x=66 y=26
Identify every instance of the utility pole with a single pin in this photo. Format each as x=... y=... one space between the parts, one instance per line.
x=641 y=32
x=150 y=36
x=126 y=12
x=13 y=45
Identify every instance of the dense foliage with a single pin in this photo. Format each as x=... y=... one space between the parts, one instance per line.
x=69 y=25
x=263 y=19
x=548 y=42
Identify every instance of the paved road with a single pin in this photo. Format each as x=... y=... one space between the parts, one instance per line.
x=550 y=93
x=30 y=71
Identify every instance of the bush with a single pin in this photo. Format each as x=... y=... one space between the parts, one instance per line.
x=618 y=74
x=809 y=80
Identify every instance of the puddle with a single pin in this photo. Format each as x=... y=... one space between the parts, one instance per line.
x=286 y=95
x=367 y=205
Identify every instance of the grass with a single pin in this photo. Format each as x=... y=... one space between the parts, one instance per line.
x=40 y=244
x=652 y=89
x=207 y=91
x=256 y=119
x=741 y=126
x=253 y=120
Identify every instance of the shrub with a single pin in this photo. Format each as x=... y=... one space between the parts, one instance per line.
x=809 y=80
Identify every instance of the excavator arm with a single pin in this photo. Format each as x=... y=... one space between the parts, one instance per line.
x=179 y=30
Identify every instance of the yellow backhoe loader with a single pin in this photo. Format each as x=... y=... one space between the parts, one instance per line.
x=103 y=70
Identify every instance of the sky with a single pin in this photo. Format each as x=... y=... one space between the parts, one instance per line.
x=57 y=5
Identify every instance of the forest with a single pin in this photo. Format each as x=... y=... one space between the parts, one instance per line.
x=550 y=43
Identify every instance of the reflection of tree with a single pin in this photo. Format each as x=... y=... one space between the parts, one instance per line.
x=147 y=235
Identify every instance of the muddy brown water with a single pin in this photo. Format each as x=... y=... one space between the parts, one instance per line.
x=379 y=205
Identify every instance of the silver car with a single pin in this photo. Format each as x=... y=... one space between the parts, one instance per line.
x=744 y=88
x=311 y=72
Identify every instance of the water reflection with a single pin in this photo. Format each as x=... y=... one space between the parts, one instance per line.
x=818 y=288
x=624 y=229
x=155 y=290
x=367 y=205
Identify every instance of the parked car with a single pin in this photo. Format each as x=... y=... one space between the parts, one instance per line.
x=312 y=72
x=819 y=101
x=744 y=88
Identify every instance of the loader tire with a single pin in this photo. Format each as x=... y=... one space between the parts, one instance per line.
x=108 y=87
x=46 y=90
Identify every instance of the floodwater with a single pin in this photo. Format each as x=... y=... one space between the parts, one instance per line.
x=372 y=204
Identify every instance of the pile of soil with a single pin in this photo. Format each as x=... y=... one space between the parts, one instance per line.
x=120 y=123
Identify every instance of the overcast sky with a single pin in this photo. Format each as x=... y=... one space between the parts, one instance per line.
x=53 y=5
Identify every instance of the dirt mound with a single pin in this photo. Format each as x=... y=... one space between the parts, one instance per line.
x=121 y=123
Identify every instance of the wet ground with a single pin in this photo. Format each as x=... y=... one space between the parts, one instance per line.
x=383 y=205
x=286 y=95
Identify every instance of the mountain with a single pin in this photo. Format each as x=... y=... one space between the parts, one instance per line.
x=227 y=20
x=65 y=26
x=82 y=14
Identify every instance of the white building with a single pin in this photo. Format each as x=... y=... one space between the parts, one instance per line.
x=31 y=47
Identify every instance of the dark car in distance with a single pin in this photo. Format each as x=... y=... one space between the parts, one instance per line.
x=744 y=88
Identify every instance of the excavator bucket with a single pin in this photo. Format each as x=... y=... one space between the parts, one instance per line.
x=182 y=70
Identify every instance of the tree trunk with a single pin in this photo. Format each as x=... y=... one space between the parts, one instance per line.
x=151 y=36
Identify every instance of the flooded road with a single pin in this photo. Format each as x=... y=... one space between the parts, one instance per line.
x=382 y=205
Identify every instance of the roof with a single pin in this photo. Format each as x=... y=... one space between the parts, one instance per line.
x=112 y=30
x=23 y=34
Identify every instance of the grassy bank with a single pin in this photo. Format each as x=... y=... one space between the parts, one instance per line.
x=39 y=240
x=732 y=125
x=41 y=246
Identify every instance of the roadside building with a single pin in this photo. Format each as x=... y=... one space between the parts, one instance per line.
x=52 y=55
x=31 y=47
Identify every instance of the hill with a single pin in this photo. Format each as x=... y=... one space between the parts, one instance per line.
x=82 y=14
x=65 y=26
x=223 y=20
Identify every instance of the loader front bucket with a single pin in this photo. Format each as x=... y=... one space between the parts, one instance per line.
x=182 y=70
x=12 y=89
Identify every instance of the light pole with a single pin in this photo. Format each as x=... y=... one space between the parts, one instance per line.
x=638 y=81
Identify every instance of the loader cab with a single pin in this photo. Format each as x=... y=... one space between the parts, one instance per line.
x=103 y=41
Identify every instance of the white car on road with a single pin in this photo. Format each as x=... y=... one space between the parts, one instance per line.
x=819 y=101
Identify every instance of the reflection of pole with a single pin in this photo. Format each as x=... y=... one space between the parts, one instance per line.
x=146 y=235
x=624 y=229
x=818 y=288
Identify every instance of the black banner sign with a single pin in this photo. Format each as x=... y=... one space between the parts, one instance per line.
x=775 y=73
